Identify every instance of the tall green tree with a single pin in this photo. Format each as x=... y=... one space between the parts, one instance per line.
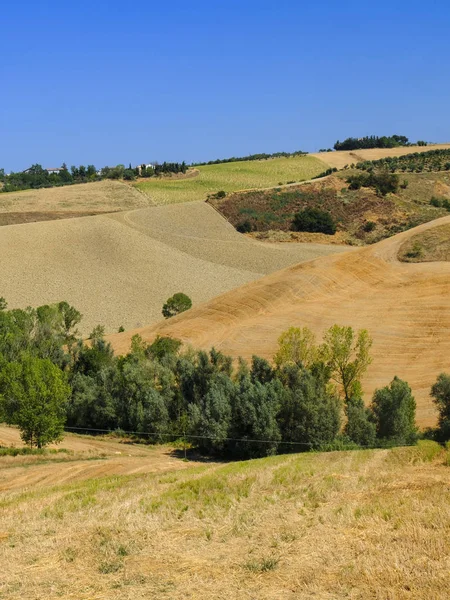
x=394 y=409
x=297 y=346
x=348 y=355
x=34 y=395
x=440 y=393
x=175 y=305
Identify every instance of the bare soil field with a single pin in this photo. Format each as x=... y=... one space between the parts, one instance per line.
x=364 y=525
x=69 y=201
x=119 y=269
x=343 y=157
x=405 y=307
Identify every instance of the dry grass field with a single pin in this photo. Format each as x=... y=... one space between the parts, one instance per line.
x=119 y=269
x=231 y=177
x=405 y=307
x=69 y=201
x=429 y=246
x=365 y=525
x=342 y=158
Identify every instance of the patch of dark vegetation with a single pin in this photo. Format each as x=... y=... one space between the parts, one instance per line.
x=260 y=156
x=314 y=220
x=373 y=141
x=382 y=182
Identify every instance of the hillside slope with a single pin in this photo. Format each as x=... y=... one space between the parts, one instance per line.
x=405 y=307
x=120 y=269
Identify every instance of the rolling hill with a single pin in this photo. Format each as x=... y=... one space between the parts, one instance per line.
x=119 y=269
x=405 y=307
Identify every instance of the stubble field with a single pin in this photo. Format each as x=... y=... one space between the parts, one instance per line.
x=363 y=525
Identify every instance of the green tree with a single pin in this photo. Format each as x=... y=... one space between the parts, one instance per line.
x=34 y=394
x=314 y=220
x=394 y=409
x=175 y=305
x=296 y=346
x=360 y=427
x=441 y=398
x=347 y=356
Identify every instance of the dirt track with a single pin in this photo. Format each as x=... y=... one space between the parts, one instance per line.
x=119 y=269
x=405 y=307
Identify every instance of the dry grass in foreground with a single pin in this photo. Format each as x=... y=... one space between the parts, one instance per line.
x=360 y=525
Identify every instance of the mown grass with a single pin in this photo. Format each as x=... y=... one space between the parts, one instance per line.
x=230 y=177
x=360 y=524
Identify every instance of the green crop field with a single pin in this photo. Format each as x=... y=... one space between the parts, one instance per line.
x=231 y=177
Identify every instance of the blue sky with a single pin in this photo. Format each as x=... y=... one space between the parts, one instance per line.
x=115 y=82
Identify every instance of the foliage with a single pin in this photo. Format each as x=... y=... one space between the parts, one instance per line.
x=296 y=346
x=394 y=409
x=372 y=141
x=34 y=392
x=360 y=427
x=175 y=305
x=347 y=356
x=314 y=220
x=440 y=393
x=383 y=182
x=418 y=162
x=261 y=156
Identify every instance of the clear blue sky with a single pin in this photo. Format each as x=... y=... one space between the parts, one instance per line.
x=119 y=82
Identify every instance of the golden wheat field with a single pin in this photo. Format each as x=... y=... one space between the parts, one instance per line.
x=364 y=525
x=119 y=269
x=405 y=307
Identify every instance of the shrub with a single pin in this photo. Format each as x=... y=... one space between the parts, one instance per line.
x=369 y=226
x=244 y=226
x=437 y=202
x=314 y=220
x=416 y=251
x=221 y=194
x=175 y=305
x=404 y=184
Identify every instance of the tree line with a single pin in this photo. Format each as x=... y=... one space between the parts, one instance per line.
x=37 y=177
x=373 y=141
x=260 y=156
x=417 y=162
x=308 y=397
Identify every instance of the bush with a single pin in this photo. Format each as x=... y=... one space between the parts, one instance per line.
x=221 y=194
x=437 y=202
x=314 y=220
x=416 y=251
x=175 y=305
x=383 y=182
x=244 y=226
x=369 y=226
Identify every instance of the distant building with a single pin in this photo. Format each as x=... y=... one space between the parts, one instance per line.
x=56 y=170
x=145 y=166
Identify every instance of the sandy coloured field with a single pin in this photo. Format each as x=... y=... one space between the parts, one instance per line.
x=343 y=157
x=119 y=269
x=405 y=307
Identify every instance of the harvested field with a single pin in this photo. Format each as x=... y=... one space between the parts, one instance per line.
x=86 y=458
x=343 y=157
x=69 y=201
x=405 y=307
x=119 y=269
x=361 y=525
x=230 y=177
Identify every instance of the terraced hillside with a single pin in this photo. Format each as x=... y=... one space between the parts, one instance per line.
x=405 y=307
x=119 y=269
x=362 y=525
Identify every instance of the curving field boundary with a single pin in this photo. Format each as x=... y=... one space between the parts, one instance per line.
x=405 y=307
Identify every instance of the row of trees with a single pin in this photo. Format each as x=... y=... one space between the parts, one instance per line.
x=49 y=378
x=37 y=177
x=417 y=162
x=373 y=141
x=261 y=156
